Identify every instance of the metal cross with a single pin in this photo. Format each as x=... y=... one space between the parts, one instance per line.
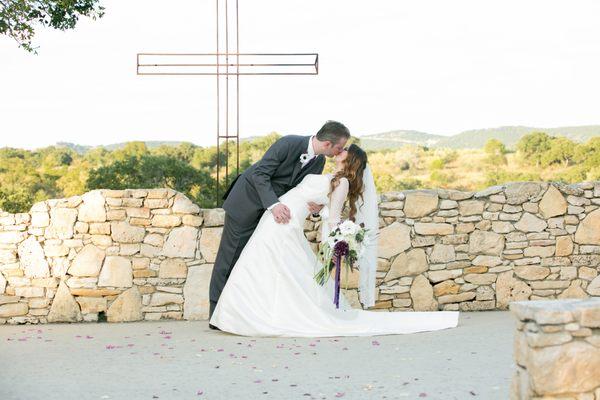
x=227 y=64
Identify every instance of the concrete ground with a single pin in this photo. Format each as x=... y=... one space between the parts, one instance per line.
x=186 y=360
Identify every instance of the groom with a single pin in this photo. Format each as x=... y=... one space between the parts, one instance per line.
x=282 y=167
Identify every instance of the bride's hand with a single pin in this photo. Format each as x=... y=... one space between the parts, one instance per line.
x=314 y=208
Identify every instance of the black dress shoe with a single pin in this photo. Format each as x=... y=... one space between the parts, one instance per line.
x=211 y=309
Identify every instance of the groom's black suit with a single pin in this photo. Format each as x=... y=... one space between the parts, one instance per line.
x=259 y=187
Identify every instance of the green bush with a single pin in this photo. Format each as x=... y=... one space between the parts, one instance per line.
x=437 y=164
x=499 y=177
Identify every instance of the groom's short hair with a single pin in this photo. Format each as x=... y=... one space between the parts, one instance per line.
x=333 y=132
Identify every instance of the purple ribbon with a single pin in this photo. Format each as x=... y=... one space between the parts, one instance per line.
x=340 y=249
x=336 y=296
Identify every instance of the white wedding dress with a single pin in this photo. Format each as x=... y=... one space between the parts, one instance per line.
x=271 y=290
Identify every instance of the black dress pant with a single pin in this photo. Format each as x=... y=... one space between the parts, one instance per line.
x=234 y=239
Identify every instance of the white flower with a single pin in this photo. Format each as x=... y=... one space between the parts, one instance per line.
x=332 y=241
x=348 y=228
x=304 y=157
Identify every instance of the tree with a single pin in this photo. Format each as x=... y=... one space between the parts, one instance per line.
x=131 y=149
x=98 y=156
x=574 y=174
x=494 y=146
x=496 y=151
x=183 y=151
x=588 y=154
x=15 y=200
x=19 y=17
x=562 y=150
x=148 y=171
x=533 y=146
x=23 y=180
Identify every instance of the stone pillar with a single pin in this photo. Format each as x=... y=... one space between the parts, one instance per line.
x=557 y=349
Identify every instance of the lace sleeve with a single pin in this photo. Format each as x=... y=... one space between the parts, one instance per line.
x=336 y=202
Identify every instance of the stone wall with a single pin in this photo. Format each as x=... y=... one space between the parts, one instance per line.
x=557 y=350
x=126 y=255
x=453 y=250
x=119 y=255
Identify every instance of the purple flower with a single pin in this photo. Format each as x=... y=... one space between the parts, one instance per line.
x=341 y=248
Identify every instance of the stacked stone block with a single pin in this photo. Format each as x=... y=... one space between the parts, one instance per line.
x=557 y=350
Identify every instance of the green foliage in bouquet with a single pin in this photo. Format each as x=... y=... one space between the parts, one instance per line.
x=349 y=241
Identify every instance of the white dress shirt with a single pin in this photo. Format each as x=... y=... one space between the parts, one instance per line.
x=310 y=151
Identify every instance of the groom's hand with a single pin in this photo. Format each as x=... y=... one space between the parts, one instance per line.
x=314 y=208
x=281 y=213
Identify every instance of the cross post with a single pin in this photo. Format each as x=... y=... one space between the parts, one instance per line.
x=223 y=65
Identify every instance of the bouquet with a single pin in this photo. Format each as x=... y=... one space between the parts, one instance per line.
x=344 y=245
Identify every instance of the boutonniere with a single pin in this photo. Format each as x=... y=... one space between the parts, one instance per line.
x=304 y=158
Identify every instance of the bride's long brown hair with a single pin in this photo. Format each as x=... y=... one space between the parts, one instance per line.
x=354 y=165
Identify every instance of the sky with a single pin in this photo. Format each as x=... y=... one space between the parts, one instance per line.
x=436 y=66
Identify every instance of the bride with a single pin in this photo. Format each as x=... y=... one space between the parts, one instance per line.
x=271 y=290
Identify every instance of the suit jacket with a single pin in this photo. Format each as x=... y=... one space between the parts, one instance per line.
x=278 y=171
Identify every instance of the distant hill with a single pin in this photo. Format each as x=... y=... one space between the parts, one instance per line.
x=81 y=149
x=151 y=144
x=510 y=135
x=473 y=139
x=395 y=139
